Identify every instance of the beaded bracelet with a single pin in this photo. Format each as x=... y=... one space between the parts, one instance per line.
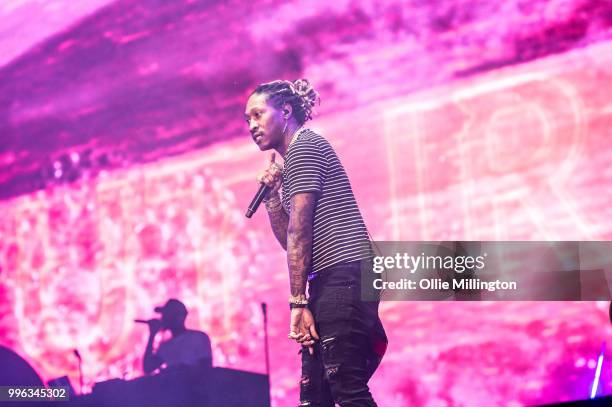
x=298 y=299
x=274 y=205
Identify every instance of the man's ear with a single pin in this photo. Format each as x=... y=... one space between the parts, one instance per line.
x=287 y=110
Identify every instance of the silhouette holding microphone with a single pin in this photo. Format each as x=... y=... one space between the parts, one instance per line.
x=186 y=347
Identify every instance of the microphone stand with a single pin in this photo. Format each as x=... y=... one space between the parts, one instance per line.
x=264 y=310
x=78 y=355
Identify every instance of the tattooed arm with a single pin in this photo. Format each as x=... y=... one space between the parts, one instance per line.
x=279 y=220
x=299 y=257
x=299 y=240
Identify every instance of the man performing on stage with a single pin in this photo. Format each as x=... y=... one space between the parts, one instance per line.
x=187 y=347
x=318 y=222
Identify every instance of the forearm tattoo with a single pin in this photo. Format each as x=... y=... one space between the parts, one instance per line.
x=299 y=240
x=279 y=221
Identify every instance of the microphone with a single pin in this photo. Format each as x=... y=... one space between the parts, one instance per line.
x=77 y=354
x=259 y=196
x=143 y=321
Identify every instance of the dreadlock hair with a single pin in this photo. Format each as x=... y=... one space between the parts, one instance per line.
x=299 y=94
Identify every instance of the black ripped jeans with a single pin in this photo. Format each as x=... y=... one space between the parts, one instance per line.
x=352 y=341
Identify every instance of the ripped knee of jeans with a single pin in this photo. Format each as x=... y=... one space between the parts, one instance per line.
x=305 y=391
x=327 y=344
x=331 y=371
x=331 y=365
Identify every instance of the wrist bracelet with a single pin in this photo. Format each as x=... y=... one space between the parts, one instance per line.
x=298 y=299
x=272 y=202
x=274 y=209
x=274 y=205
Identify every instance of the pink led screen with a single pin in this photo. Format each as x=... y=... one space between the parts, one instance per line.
x=454 y=121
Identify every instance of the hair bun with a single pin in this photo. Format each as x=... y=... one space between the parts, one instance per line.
x=308 y=95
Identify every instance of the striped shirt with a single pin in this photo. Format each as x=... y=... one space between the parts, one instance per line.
x=339 y=235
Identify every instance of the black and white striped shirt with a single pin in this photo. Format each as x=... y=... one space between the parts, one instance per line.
x=340 y=235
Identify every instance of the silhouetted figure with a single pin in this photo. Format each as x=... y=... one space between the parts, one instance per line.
x=187 y=347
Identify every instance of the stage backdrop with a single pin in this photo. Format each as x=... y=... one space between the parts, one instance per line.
x=127 y=167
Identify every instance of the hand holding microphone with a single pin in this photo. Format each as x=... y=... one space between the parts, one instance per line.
x=270 y=180
x=271 y=177
x=155 y=325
